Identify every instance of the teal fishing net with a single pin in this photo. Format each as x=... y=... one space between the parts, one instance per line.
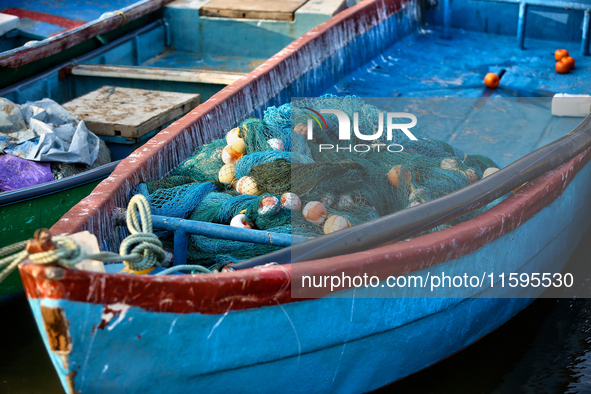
x=266 y=174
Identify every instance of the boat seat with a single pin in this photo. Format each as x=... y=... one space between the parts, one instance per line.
x=277 y=10
x=126 y=117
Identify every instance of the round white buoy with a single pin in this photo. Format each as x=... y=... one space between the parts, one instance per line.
x=314 y=212
x=239 y=145
x=335 y=223
x=276 y=144
x=291 y=201
x=489 y=171
x=449 y=164
x=246 y=185
x=229 y=155
x=232 y=135
x=345 y=201
x=267 y=205
x=239 y=221
x=226 y=173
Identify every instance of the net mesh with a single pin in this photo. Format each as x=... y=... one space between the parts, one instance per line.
x=282 y=181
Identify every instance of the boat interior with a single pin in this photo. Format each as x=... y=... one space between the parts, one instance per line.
x=432 y=50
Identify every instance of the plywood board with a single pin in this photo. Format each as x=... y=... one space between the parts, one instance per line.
x=158 y=74
x=130 y=112
x=278 y=10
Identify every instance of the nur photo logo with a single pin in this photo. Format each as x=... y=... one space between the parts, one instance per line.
x=344 y=130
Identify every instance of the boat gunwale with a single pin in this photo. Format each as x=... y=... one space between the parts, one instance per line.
x=57 y=185
x=271 y=285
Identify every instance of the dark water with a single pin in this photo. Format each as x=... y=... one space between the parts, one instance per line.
x=544 y=349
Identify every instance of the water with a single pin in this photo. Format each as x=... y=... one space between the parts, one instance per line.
x=544 y=349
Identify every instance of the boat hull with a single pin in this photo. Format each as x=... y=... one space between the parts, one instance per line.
x=121 y=341
x=24 y=211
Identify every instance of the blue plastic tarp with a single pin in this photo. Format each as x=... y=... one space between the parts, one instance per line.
x=45 y=131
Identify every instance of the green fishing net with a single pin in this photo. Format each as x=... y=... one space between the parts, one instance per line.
x=257 y=174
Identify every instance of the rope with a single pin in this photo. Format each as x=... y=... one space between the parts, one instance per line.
x=140 y=251
x=178 y=268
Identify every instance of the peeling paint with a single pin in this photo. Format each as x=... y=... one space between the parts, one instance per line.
x=109 y=312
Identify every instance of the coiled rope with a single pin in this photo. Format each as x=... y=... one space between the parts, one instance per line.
x=139 y=251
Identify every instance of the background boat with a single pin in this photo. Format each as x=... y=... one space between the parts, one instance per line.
x=358 y=337
x=150 y=45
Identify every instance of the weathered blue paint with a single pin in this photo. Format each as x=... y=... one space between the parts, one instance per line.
x=502 y=18
x=35 y=30
x=344 y=345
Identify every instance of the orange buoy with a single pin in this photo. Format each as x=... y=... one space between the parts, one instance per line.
x=399 y=176
x=562 y=67
x=560 y=53
x=491 y=80
x=569 y=60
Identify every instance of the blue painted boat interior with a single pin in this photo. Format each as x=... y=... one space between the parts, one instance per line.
x=427 y=67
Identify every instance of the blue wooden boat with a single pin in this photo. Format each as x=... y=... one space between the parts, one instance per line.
x=147 y=45
x=247 y=330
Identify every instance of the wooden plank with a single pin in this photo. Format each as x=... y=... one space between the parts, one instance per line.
x=278 y=10
x=158 y=74
x=130 y=112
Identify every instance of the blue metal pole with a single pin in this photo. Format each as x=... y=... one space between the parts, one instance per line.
x=585 y=40
x=221 y=231
x=521 y=26
x=446 y=18
x=181 y=244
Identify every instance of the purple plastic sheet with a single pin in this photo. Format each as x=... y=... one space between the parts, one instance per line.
x=16 y=173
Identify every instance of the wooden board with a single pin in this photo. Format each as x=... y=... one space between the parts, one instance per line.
x=158 y=74
x=278 y=10
x=130 y=112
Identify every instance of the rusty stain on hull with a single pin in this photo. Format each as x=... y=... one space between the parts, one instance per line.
x=70 y=379
x=57 y=328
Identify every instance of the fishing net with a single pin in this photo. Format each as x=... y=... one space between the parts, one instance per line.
x=268 y=174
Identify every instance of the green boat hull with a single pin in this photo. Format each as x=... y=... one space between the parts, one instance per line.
x=21 y=219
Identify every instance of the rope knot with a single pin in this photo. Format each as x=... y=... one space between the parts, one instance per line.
x=142 y=248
